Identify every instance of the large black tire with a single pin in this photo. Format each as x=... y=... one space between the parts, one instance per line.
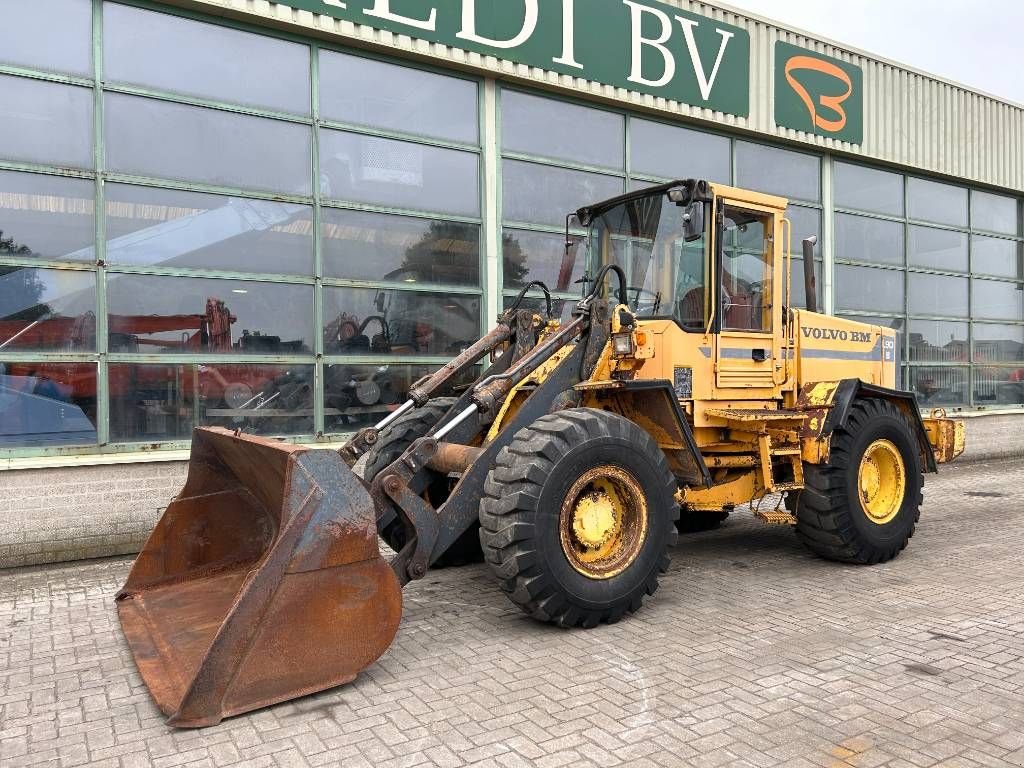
x=698 y=522
x=832 y=521
x=393 y=442
x=521 y=516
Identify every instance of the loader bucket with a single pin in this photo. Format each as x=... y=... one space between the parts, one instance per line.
x=262 y=582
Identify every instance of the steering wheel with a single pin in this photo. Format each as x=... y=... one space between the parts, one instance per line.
x=644 y=300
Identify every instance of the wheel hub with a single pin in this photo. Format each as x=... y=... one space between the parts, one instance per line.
x=603 y=522
x=881 y=482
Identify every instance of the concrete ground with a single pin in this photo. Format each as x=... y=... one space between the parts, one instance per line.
x=753 y=653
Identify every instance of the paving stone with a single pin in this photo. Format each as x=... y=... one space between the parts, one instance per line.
x=752 y=653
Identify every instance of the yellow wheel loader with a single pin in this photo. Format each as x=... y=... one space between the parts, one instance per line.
x=684 y=383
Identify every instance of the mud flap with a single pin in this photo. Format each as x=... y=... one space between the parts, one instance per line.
x=262 y=582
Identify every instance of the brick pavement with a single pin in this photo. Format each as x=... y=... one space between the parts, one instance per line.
x=753 y=653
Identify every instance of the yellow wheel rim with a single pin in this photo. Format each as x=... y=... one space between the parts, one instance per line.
x=881 y=482
x=603 y=522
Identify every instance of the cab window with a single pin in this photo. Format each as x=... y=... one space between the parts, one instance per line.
x=746 y=270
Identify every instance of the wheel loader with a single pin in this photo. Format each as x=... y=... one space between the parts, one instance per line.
x=683 y=384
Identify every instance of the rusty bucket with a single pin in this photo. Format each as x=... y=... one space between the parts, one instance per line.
x=262 y=582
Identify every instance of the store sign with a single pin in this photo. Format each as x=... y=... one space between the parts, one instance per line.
x=818 y=94
x=641 y=45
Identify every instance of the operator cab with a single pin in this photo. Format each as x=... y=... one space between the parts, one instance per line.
x=660 y=237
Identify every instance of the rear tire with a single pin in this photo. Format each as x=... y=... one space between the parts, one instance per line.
x=393 y=442
x=863 y=506
x=577 y=517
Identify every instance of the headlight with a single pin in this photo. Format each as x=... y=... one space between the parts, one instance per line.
x=622 y=344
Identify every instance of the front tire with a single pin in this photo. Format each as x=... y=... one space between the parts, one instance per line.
x=863 y=506
x=577 y=517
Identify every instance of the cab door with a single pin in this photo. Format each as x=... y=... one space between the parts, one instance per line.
x=749 y=346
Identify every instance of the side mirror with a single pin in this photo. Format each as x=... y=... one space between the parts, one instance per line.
x=693 y=222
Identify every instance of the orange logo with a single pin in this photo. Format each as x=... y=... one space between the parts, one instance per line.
x=834 y=103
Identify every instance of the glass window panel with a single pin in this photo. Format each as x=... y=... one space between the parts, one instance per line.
x=361 y=91
x=998 y=343
x=151 y=402
x=375 y=246
x=995 y=300
x=177 y=141
x=148 y=226
x=55 y=35
x=145 y=48
x=43 y=122
x=995 y=256
x=47 y=309
x=561 y=309
x=357 y=396
x=938 y=249
x=938 y=341
x=994 y=213
x=778 y=171
x=541 y=194
x=366 y=321
x=938 y=295
x=869 y=289
x=542 y=256
x=994 y=386
x=50 y=217
x=151 y=314
x=859 y=238
x=535 y=125
x=940 y=203
x=43 y=404
x=868 y=189
x=806 y=222
x=940 y=385
x=398 y=174
x=670 y=152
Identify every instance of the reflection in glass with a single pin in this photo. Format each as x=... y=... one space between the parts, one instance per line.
x=994 y=213
x=206 y=145
x=48 y=123
x=47 y=309
x=164 y=402
x=148 y=226
x=869 y=289
x=778 y=171
x=938 y=249
x=859 y=238
x=937 y=295
x=358 y=245
x=44 y=404
x=938 y=341
x=223 y=64
x=998 y=385
x=357 y=396
x=398 y=174
x=561 y=309
x=534 y=125
x=935 y=202
x=540 y=194
x=55 y=35
x=361 y=91
x=151 y=314
x=49 y=217
x=542 y=256
x=365 y=321
x=995 y=256
x=868 y=189
x=995 y=300
x=998 y=343
x=668 y=151
x=940 y=385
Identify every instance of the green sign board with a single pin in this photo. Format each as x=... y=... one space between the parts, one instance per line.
x=818 y=94
x=641 y=45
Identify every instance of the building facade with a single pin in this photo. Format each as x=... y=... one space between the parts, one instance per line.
x=277 y=216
